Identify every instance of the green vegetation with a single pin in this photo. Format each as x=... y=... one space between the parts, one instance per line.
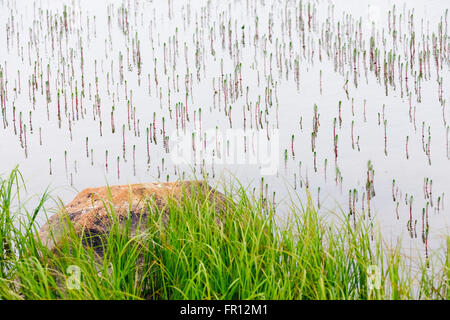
x=203 y=254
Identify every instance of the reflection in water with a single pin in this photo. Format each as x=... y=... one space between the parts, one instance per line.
x=125 y=92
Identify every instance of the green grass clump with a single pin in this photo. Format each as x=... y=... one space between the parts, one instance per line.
x=208 y=250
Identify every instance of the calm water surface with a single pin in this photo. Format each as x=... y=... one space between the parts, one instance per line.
x=111 y=91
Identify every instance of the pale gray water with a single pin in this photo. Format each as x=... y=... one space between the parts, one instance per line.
x=155 y=26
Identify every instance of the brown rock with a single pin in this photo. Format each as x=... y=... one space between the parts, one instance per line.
x=87 y=210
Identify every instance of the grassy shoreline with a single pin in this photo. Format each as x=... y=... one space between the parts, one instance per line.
x=245 y=256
